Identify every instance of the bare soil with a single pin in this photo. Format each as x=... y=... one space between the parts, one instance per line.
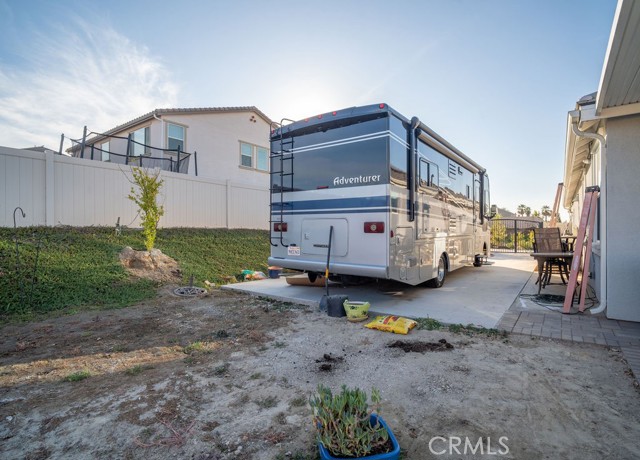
x=227 y=376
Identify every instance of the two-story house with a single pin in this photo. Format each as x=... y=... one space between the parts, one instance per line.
x=230 y=143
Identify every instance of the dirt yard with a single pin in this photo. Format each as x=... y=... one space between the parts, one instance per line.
x=227 y=376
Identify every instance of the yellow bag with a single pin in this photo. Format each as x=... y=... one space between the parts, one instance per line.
x=395 y=324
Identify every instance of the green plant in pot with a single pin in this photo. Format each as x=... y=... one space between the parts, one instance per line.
x=347 y=427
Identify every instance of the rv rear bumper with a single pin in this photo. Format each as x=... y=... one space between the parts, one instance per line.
x=336 y=268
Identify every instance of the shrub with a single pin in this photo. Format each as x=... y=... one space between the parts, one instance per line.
x=146 y=199
x=342 y=422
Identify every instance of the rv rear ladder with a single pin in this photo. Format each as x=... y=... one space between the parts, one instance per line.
x=282 y=158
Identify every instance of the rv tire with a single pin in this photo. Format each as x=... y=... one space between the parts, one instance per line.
x=438 y=281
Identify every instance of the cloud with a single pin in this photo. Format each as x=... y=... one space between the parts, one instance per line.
x=77 y=76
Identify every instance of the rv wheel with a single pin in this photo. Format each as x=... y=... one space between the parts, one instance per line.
x=438 y=281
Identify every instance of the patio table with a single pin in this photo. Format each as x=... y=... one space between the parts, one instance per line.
x=542 y=258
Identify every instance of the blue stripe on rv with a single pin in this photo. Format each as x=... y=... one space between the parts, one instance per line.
x=362 y=204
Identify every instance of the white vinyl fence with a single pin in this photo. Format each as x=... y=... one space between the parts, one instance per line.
x=60 y=190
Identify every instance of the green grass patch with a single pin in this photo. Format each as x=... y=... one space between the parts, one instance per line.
x=221 y=369
x=77 y=376
x=78 y=268
x=298 y=402
x=137 y=369
x=431 y=324
x=472 y=330
x=267 y=402
x=428 y=324
x=194 y=347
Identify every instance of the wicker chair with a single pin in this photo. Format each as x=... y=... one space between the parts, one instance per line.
x=548 y=240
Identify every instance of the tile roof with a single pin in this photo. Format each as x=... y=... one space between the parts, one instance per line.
x=188 y=110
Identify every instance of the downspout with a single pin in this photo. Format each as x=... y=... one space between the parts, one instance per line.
x=575 y=119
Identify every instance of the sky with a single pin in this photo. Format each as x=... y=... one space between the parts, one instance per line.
x=495 y=78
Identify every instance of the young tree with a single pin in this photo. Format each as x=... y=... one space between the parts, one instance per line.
x=522 y=209
x=527 y=211
x=146 y=198
x=498 y=232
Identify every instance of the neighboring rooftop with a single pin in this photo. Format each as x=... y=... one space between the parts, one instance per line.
x=187 y=111
x=40 y=148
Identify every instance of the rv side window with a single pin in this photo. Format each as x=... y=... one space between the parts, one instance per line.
x=428 y=174
x=398 y=151
x=487 y=197
x=424 y=174
x=438 y=163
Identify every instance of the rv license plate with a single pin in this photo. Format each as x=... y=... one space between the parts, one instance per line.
x=293 y=250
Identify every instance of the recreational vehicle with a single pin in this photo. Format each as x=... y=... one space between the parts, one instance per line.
x=371 y=193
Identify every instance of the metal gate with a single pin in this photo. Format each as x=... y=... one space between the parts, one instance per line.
x=513 y=235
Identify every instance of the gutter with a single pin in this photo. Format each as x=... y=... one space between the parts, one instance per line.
x=575 y=120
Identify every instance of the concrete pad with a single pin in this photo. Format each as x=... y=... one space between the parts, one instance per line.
x=471 y=295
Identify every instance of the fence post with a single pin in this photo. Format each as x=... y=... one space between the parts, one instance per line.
x=92 y=151
x=228 y=203
x=195 y=161
x=61 y=143
x=178 y=165
x=84 y=139
x=515 y=236
x=49 y=190
x=126 y=159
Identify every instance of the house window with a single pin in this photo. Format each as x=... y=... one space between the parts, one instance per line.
x=175 y=137
x=246 y=155
x=105 y=151
x=262 y=159
x=140 y=144
x=253 y=156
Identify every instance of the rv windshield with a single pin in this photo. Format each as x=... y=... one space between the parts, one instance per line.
x=350 y=154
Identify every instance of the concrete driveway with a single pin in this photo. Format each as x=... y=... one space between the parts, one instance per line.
x=470 y=295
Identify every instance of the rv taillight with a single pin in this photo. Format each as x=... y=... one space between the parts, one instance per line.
x=319 y=117
x=280 y=227
x=334 y=113
x=381 y=106
x=374 y=227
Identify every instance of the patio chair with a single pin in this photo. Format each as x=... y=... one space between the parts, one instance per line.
x=548 y=240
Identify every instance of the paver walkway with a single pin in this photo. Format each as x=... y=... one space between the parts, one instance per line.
x=530 y=316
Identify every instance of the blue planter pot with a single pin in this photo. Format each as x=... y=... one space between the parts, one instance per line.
x=393 y=455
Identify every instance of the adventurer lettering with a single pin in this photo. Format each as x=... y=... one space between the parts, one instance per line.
x=355 y=180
